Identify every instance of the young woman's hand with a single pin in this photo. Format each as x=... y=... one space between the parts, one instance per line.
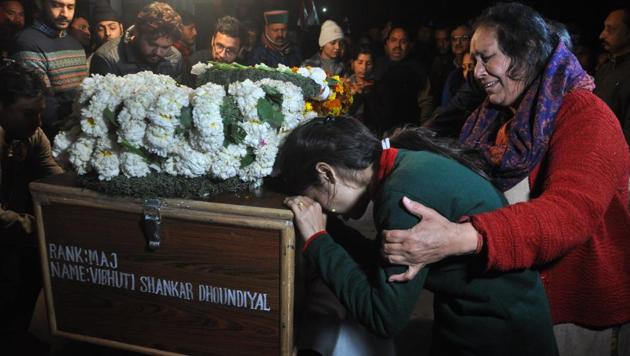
x=309 y=217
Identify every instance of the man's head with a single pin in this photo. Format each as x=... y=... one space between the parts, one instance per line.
x=616 y=34
x=277 y=26
x=12 y=14
x=226 y=41
x=80 y=30
x=442 y=40
x=460 y=40
x=107 y=23
x=157 y=27
x=397 y=44
x=21 y=99
x=189 y=28
x=58 y=13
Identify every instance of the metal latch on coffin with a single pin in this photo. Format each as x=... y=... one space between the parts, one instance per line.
x=152 y=221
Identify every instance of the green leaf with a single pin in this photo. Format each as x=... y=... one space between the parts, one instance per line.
x=231 y=116
x=268 y=112
x=185 y=118
x=110 y=116
x=234 y=134
x=127 y=146
x=249 y=158
x=273 y=95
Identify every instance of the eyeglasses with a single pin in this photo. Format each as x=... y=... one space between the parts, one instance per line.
x=229 y=51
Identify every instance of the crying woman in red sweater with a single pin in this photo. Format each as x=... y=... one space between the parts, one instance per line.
x=561 y=160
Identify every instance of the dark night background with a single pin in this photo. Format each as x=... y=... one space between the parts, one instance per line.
x=588 y=16
x=363 y=14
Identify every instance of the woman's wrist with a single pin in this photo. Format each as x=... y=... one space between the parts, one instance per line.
x=310 y=239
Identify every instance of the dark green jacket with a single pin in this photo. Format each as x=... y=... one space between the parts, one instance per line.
x=476 y=312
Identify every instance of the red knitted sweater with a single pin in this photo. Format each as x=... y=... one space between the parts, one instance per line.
x=576 y=227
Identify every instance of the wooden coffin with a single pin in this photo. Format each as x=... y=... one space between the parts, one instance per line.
x=220 y=283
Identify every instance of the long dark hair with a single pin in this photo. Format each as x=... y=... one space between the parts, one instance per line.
x=344 y=143
x=347 y=144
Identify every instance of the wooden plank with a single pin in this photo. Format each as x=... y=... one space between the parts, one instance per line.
x=223 y=276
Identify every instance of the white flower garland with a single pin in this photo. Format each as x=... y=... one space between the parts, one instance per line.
x=125 y=121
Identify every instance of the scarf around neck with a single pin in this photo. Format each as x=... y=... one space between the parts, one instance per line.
x=284 y=49
x=533 y=122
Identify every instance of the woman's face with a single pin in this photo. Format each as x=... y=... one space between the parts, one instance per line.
x=362 y=65
x=346 y=197
x=491 y=68
x=332 y=49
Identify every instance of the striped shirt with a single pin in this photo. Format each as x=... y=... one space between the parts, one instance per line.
x=59 y=58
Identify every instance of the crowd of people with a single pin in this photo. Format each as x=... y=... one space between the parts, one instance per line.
x=502 y=184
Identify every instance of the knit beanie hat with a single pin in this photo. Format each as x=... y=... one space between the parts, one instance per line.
x=330 y=32
x=104 y=12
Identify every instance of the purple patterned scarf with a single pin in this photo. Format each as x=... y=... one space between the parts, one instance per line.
x=533 y=122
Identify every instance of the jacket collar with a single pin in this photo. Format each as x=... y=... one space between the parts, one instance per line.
x=48 y=30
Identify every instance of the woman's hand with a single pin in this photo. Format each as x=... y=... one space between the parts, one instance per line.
x=309 y=217
x=432 y=239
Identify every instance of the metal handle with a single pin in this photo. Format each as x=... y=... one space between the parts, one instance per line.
x=152 y=222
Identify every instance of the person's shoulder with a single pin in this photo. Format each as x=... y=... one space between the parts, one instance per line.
x=430 y=174
x=174 y=55
x=582 y=108
x=29 y=39
x=108 y=49
x=202 y=55
x=39 y=139
x=313 y=61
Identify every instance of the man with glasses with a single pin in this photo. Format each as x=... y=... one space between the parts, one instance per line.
x=460 y=44
x=225 y=43
x=145 y=46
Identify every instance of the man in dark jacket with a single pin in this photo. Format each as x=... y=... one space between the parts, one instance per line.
x=402 y=92
x=613 y=78
x=274 y=47
x=148 y=45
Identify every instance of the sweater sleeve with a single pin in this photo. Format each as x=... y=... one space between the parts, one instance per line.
x=585 y=167
x=45 y=161
x=27 y=53
x=382 y=307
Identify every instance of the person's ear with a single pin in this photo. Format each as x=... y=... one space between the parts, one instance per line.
x=326 y=172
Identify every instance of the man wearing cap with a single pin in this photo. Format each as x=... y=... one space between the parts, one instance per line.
x=331 y=44
x=107 y=23
x=146 y=46
x=274 y=47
